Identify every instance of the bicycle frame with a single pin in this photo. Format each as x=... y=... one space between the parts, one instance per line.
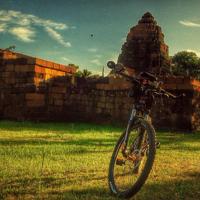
x=131 y=121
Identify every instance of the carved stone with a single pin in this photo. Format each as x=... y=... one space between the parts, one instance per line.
x=144 y=49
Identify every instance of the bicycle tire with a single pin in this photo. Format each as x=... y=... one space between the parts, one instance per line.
x=148 y=165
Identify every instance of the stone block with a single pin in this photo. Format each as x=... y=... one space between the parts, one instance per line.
x=56 y=66
x=9 y=67
x=48 y=71
x=49 y=64
x=30 y=60
x=56 y=96
x=40 y=62
x=58 y=102
x=39 y=69
x=184 y=86
x=98 y=110
x=35 y=96
x=58 y=90
x=35 y=103
x=10 y=80
x=24 y=68
x=170 y=86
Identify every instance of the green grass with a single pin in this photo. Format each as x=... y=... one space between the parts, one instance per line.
x=70 y=161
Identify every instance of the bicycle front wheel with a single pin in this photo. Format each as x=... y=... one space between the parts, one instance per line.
x=129 y=171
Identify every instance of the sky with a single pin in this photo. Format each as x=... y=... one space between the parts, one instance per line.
x=88 y=33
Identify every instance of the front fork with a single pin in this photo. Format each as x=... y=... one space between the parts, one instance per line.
x=130 y=122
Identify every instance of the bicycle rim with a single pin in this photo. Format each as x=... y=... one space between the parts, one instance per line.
x=130 y=172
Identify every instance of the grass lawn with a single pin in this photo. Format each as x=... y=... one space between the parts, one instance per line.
x=70 y=161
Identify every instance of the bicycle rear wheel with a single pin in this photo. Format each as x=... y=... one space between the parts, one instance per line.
x=128 y=173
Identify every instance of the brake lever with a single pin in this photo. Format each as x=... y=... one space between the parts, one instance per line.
x=119 y=68
x=180 y=96
x=175 y=97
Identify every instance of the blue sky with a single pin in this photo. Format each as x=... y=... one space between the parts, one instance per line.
x=61 y=30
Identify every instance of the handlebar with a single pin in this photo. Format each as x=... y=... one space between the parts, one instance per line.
x=132 y=79
x=119 y=69
x=168 y=94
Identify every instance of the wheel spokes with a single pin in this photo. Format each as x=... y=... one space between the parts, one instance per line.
x=128 y=168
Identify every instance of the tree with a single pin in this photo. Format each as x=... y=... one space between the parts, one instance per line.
x=85 y=73
x=187 y=64
x=73 y=65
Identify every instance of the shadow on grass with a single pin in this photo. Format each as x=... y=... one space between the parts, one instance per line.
x=90 y=193
x=179 y=141
x=168 y=141
x=25 y=186
x=185 y=187
x=57 y=127
x=81 y=142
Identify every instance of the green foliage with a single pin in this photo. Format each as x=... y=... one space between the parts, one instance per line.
x=186 y=64
x=70 y=161
x=73 y=65
x=84 y=73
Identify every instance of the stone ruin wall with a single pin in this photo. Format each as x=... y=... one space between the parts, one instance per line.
x=27 y=93
x=183 y=113
x=23 y=80
x=35 y=89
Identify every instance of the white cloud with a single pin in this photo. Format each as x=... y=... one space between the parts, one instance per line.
x=15 y=22
x=49 y=23
x=3 y=27
x=65 y=59
x=98 y=56
x=20 y=18
x=195 y=51
x=23 y=33
x=56 y=36
x=93 y=50
x=189 y=23
x=96 y=62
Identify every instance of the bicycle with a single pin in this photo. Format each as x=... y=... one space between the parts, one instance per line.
x=134 y=152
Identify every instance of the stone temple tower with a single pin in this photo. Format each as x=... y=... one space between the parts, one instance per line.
x=144 y=49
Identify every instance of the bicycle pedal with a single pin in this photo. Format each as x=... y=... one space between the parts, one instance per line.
x=136 y=171
x=157 y=145
x=120 y=161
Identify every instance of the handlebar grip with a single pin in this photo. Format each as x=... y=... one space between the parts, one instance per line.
x=111 y=64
